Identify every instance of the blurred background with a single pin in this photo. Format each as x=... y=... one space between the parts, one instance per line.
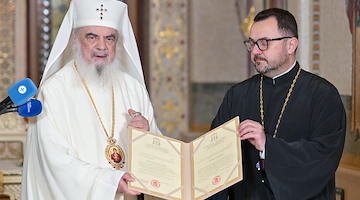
x=192 y=52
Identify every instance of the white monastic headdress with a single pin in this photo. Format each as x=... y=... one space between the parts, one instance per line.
x=108 y=13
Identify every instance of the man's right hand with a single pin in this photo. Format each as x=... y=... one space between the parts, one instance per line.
x=253 y=132
x=123 y=187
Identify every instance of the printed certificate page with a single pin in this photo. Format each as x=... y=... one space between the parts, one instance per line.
x=216 y=160
x=155 y=163
x=171 y=169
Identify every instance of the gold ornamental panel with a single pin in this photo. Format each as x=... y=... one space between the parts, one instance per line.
x=168 y=70
x=8 y=122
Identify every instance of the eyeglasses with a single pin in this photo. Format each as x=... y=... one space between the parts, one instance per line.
x=262 y=43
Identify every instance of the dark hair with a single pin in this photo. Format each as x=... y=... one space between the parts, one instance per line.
x=286 y=21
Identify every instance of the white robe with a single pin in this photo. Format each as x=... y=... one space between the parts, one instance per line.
x=65 y=147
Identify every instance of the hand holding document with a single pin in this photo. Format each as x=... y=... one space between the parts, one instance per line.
x=172 y=169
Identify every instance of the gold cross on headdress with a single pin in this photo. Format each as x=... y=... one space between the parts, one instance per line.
x=101 y=10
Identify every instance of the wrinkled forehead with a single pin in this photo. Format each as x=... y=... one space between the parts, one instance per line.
x=98 y=30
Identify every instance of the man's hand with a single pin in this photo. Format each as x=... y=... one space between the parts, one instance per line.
x=123 y=187
x=138 y=121
x=253 y=132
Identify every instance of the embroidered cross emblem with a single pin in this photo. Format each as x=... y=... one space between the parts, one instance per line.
x=101 y=10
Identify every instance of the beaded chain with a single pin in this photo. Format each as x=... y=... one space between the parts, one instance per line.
x=262 y=116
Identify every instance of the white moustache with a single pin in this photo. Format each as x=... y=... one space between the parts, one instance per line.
x=99 y=53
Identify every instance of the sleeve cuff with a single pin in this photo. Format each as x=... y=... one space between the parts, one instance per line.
x=262 y=154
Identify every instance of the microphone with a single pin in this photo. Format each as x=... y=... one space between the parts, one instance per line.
x=19 y=93
x=30 y=109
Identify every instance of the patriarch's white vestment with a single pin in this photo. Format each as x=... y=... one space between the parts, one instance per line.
x=65 y=148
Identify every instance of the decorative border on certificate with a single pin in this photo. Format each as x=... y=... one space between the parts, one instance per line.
x=157 y=165
x=216 y=160
x=168 y=168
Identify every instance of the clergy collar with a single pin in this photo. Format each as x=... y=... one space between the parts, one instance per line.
x=285 y=71
x=284 y=77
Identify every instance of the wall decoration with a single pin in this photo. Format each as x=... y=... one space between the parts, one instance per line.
x=168 y=66
x=316 y=37
x=11 y=122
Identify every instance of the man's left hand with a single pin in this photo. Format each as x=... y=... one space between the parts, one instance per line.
x=138 y=121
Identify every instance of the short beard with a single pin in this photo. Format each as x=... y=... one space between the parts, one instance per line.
x=263 y=70
x=96 y=73
x=270 y=67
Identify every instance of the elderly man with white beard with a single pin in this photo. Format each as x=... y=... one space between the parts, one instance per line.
x=92 y=89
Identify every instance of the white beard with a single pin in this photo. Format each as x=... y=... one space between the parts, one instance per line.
x=97 y=73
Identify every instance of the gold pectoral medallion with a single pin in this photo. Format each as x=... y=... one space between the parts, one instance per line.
x=114 y=154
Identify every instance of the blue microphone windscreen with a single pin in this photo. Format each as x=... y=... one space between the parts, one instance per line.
x=30 y=109
x=22 y=91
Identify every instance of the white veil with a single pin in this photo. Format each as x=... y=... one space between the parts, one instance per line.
x=108 y=13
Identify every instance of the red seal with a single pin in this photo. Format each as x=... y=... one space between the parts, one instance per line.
x=155 y=183
x=216 y=180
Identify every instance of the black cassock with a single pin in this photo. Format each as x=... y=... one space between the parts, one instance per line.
x=300 y=163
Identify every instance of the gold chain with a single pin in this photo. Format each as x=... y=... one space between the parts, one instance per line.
x=110 y=139
x=283 y=107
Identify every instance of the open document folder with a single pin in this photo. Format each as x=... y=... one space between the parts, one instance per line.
x=171 y=169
